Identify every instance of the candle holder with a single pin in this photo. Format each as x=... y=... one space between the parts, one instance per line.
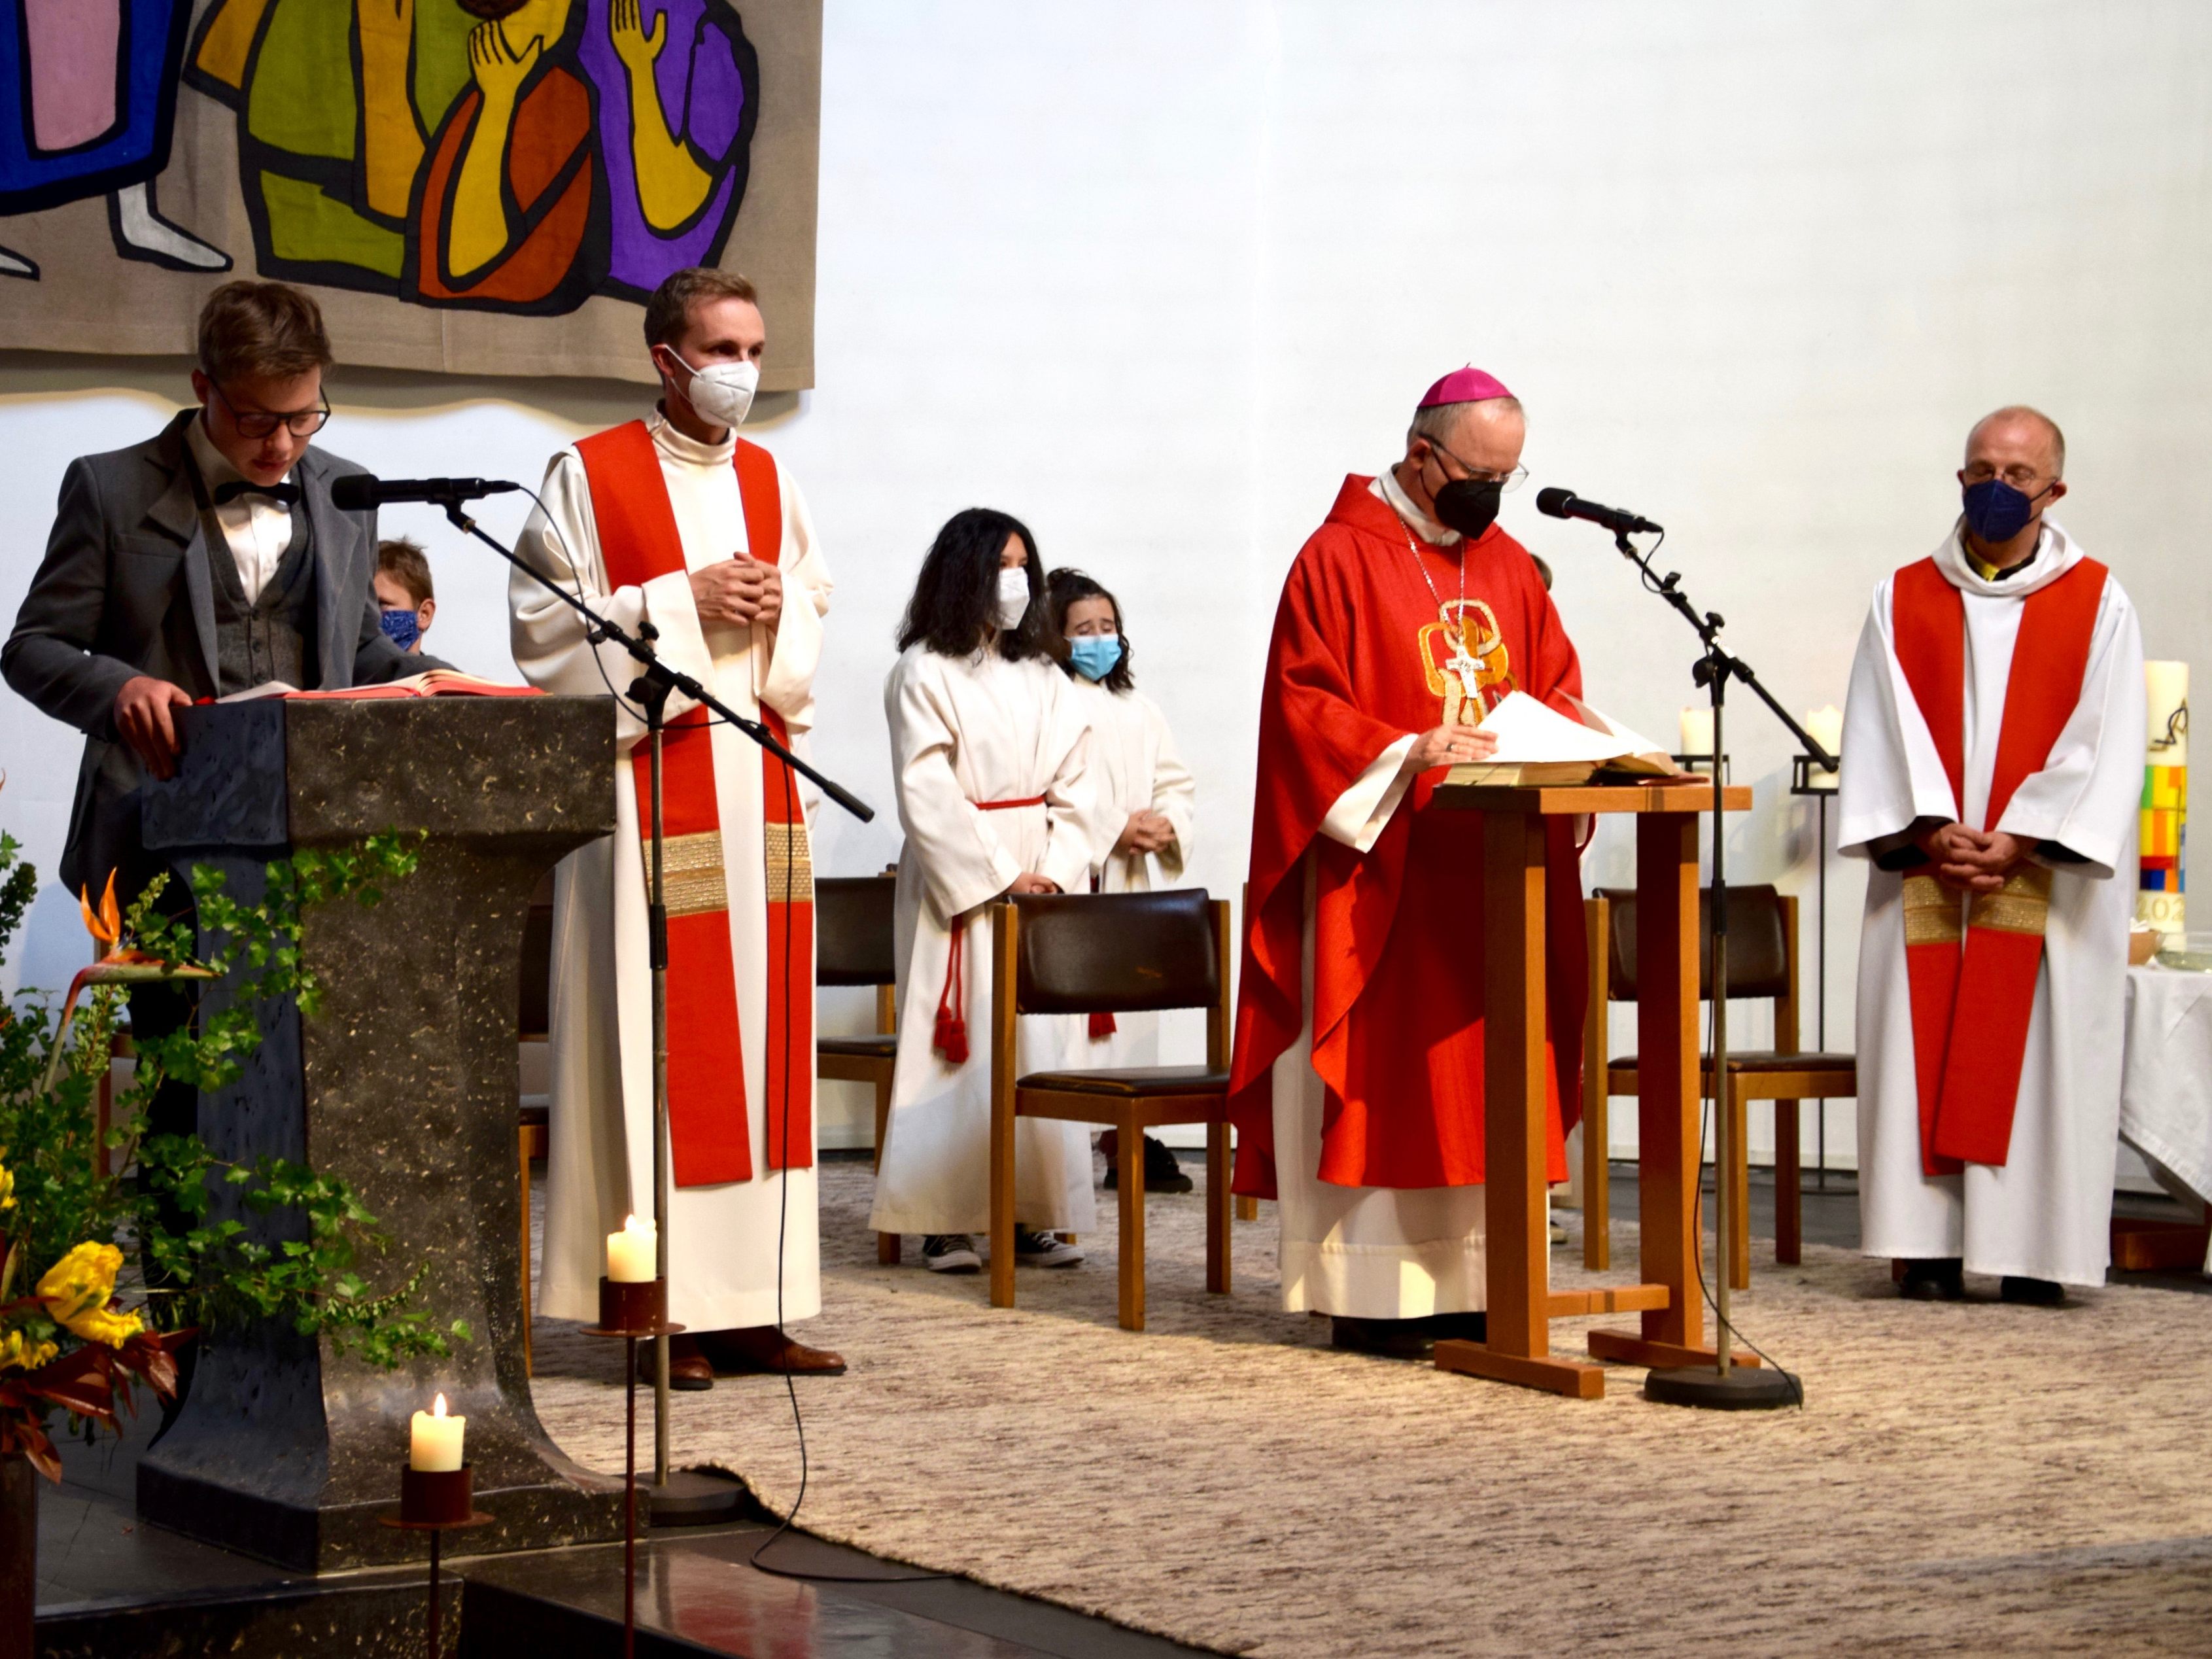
x=635 y=1310
x=436 y=1501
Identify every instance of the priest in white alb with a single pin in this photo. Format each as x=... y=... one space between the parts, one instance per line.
x=1992 y=775
x=678 y=523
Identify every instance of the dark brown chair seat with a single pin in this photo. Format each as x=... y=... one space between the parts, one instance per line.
x=882 y=1047
x=1766 y=1061
x=1131 y=1082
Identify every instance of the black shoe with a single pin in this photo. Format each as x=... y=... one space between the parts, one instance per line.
x=1459 y=1327
x=1162 y=1169
x=2032 y=1292
x=1936 y=1278
x=1385 y=1339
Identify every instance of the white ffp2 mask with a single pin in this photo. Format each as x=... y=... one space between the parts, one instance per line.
x=1013 y=597
x=722 y=393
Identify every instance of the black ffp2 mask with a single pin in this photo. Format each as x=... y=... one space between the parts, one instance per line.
x=1468 y=506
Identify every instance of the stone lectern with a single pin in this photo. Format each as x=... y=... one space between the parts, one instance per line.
x=405 y=1084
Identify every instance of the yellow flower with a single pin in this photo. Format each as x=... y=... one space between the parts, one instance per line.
x=7 y=1187
x=113 y=1329
x=80 y=1282
x=18 y=1352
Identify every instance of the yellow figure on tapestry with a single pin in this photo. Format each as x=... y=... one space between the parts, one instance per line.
x=1465 y=658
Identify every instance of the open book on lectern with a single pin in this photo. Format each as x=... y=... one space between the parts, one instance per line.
x=1538 y=746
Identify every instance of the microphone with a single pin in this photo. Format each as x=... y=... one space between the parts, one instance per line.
x=1566 y=504
x=359 y=492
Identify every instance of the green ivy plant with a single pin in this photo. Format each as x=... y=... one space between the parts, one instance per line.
x=72 y=1200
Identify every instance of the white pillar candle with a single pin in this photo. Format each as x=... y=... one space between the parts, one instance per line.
x=2167 y=682
x=434 y=1445
x=631 y=1252
x=1825 y=727
x=1698 y=730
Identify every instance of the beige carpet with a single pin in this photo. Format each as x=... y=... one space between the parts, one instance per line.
x=1967 y=1480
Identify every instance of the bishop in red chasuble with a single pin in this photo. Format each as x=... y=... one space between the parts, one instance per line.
x=1357 y=1082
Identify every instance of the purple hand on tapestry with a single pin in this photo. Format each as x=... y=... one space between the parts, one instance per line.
x=695 y=72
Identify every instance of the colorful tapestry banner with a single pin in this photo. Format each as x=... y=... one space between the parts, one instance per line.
x=2164 y=842
x=469 y=187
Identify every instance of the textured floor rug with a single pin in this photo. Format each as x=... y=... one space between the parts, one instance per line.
x=1972 y=1479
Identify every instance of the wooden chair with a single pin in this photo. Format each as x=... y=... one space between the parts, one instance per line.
x=854 y=944
x=1762 y=962
x=1124 y=953
x=534 y=1131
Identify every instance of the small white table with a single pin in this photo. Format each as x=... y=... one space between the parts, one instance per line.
x=2166 y=1085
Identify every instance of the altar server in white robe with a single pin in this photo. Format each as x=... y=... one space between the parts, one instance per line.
x=990 y=755
x=678 y=523
x=1992 y=773
x=1145 y=799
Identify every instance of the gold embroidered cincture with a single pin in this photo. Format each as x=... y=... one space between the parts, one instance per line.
x=790 y=858
x=691 y=873
x=1931 y=912
x=2022 y=905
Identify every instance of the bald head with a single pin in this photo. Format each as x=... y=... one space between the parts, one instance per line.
x=2017 y=434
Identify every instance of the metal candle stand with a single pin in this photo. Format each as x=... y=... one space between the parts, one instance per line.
x=635 y=1311
x=436 y=1501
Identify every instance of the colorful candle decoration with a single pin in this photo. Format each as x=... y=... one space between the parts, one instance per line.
x=631 y=1253
x=434 y=1445
x=2159 y=902
x=1825 y=727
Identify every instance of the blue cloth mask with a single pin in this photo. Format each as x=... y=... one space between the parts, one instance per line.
x=1095 y=655
x=1996 y=512
x=402 y=627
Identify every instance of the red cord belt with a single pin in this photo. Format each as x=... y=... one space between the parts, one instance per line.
x=951 y=1037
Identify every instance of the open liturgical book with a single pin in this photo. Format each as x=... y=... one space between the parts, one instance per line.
x=433 y=682
x=1538 y=746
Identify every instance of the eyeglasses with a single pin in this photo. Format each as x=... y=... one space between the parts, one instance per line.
x=1507 y=482
x=2020 y=478
x=260 y=423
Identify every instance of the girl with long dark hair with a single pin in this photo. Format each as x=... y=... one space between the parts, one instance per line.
x=990 y=753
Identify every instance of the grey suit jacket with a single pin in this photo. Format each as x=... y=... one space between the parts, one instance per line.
x=126 y=589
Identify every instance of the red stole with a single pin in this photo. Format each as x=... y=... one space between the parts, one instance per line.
x=709 y=1141
x=1972 y=987
x=1354 y=665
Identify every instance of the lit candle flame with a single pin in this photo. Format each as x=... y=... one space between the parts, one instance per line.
x=438 y=1407
x=632 y=1224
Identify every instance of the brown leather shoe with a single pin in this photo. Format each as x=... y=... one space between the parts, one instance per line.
x=764 y=1350
x=688 y=1369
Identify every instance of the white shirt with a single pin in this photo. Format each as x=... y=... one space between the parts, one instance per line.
x=1387 y=489
x=256 y=529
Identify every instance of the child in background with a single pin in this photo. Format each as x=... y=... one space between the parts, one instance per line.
x=403 y=588
x=988 y=753
x=1146 y=795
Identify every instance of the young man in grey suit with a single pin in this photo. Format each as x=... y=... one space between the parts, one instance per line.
x=205 y=561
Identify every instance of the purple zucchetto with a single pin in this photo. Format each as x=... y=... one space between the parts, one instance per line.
x=1464 y=385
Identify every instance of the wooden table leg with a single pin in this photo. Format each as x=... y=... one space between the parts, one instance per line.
x=1517 y=1249
x=1668 y=1107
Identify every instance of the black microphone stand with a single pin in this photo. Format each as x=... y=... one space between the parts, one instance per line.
x=701 y=1498
x=1725 y=1385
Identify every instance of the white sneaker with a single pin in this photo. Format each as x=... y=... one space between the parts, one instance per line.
x=949 y=1253
x=1033 y=1250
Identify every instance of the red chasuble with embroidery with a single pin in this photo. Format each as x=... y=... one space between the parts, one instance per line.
x=709 y=1142
x=1357 y=663
x=1973 y=987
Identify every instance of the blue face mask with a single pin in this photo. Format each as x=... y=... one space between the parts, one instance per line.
x=1095 y=655
x=1996 y=512
x=402 y=627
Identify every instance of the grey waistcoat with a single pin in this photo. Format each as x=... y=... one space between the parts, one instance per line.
x=273 y=638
